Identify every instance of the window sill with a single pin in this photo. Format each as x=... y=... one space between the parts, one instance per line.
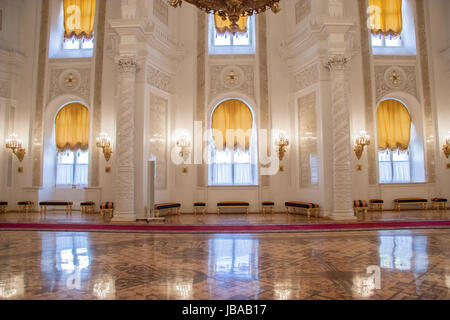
x=233 y=186
x=397 y=184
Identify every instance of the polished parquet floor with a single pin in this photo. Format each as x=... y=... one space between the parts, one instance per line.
x=413 y=264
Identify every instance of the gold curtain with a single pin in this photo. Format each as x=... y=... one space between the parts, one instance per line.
x=79 y=17
x=223 y=26
x=72 y=128
x=385 y=17
x=394 y=125
x=236 y=116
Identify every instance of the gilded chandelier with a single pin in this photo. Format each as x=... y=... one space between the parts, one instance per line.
x=231 y=9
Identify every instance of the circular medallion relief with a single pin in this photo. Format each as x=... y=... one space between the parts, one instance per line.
x=395 y=78
x=69 y=80
x=232 y=77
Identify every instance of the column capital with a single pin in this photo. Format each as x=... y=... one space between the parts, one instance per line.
x=337 y=62
x=127 y=64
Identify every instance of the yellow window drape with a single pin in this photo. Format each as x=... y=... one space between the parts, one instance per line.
x=223 y=26
x=72 y=128
x=234 y=121
x=394 y=125
x=385 y=17
x=79 y=18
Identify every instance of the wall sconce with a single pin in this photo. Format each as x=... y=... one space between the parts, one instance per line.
x=361 y=141
x=184 y=143
x=15 y=144
x=104 y=142
x=446 y=146
x=281 y=142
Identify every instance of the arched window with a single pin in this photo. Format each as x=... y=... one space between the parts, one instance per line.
x=79 y=19
x=72 y=143
x=400 y=152
x=233 y=145
x=223 y=41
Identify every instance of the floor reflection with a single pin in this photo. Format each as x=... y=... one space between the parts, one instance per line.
x=403 y=252
x=11 y=286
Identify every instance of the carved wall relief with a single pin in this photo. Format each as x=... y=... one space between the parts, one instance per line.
x=394 y=78
x=158 y=138
x=307 y=139
x=70 y=81
x=306 y=77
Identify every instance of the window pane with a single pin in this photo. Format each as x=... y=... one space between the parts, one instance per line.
x=87 y=44
x=377 y=41
x=241 y=39
x=71 y=44
x=81 y=174
x=83 y=157
x=66 y=157
x=393 y=41
x=385 y=166
x=64 y=174
x=222 y=40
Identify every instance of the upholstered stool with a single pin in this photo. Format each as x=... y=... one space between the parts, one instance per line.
x=3 y=206
x=308 y=206
x=199 y=205
x=267 y=204
x=87 y=207
x=170 y=206
x=376 y=204
x=25 y=206
x=107 y=207
x=439 y=203
x=66 y=204
x=360 y=205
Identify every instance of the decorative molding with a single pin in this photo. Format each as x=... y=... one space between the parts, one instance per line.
x=201 y=88
x=307 y=140
x=366 y=54
x=5 y=89
x=307 y=77
x=430 y=129
x=75 y=81
x=264 y=110
x=158 y=138
x=127 y=64
x=94 y=177
x=161 y=11
x=302 y=10
x=159 y=79
x=220 y=79
x=395 y=78
x=337 y=62
x=40 y=93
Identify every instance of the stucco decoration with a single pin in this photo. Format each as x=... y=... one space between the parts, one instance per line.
x=161 y=11
x=307 y=77
x=307 y=141
x=158 y=138
x=395 y=78
x=237 y=78
x=302 y=10
x=76 y=81
x=5 y=89
x=159 y=79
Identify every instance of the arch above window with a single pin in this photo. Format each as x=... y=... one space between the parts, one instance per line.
x=394 y=125
x=72 y=128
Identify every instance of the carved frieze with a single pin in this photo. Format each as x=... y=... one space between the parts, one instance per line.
x=159 y=79
x=236 y=78
x=158 y=138
x=306 y=77
x=395 y=78
x=76 y=81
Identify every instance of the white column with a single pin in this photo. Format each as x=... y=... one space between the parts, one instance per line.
x=342 y=185
x=124 y=199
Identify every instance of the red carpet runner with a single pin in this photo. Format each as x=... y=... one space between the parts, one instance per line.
x=228 y=228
